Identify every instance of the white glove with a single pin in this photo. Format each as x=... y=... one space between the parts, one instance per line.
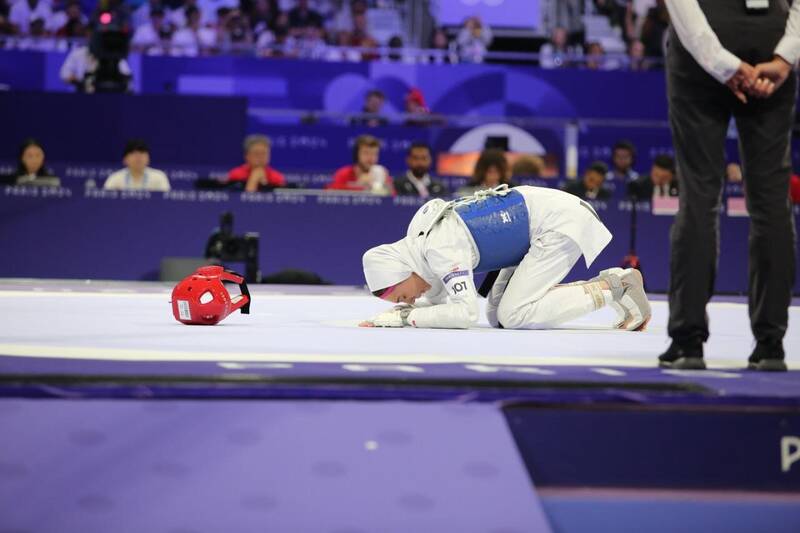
x=396 y=318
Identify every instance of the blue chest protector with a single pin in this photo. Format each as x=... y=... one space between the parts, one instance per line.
x=500 y=227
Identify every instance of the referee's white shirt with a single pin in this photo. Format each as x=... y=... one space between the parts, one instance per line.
x=699 y=39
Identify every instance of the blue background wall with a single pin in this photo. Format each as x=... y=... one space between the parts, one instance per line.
x=195 y=112
x=339 y=87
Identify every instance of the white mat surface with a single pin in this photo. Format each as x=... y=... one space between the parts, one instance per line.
x=133 y=321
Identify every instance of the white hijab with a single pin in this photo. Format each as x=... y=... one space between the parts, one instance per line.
x=389 y=264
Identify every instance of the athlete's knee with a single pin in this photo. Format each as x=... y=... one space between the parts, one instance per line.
x=505 y=314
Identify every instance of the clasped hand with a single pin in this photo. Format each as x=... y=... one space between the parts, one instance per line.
x=760 y=81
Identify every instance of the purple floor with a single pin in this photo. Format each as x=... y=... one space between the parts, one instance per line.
x=113 y=417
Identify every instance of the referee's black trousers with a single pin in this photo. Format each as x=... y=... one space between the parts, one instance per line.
x=700 y=109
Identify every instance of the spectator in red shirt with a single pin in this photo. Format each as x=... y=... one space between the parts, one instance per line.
x=794 y=189
x=365 y=174
x=256 y=174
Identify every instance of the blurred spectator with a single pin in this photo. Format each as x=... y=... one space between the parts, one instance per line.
x=71 y=22
x=342 y=52
x=301 y=17
x=137 y=174
x=365 y=174
x=223 y=14
x=265 y=43
x=395 y=46
x=490 y=171
x=211 y=9
x=623 y=155
x=794 y=189
x=660 y=183
x=31 y=167
x=566 y=14
x=141 y=15
x=596 y=57
x=557 y=53
x=80 y=66
x=640 y=9
x=360 y=31
x=654 y=30
x=256 y=174
x=275 y=40
x=281 y=22
x=630 y=23
x=179 y=17
x=441 y=48
x=169 y=5
x=311 y=44
x=473 y=40
x=38 y=38
x=152 y=38
x=193 y=38
x=417 y=180
x=526 y=166
x=733 y=173
x=343 y=20
x=591 y=186
x=23 y=12
x=417 y=112
x=398 y=52
x=368 y=45
x=234 y=31
x=283 y=45
x=636 y=57
x=360 y=37
x=263 y=15
x=371 y=112
x=6 y=28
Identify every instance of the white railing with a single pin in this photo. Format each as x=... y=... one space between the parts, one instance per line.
x=609 y=61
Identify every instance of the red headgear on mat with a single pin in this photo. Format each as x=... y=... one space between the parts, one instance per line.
x=201 y=298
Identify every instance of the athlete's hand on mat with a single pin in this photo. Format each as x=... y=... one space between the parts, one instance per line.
x=389 y=319
x=770 y=76
x=742 y=80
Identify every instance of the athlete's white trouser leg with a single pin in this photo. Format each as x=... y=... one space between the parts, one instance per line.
x=532 y=300
x=496 y=294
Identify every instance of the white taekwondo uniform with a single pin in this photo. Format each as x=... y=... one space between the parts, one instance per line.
x=444 y=243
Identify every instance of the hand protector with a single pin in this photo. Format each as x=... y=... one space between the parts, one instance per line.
x=395 y=318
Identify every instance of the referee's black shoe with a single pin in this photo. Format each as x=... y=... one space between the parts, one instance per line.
x=683 y=356
x=768 y=357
